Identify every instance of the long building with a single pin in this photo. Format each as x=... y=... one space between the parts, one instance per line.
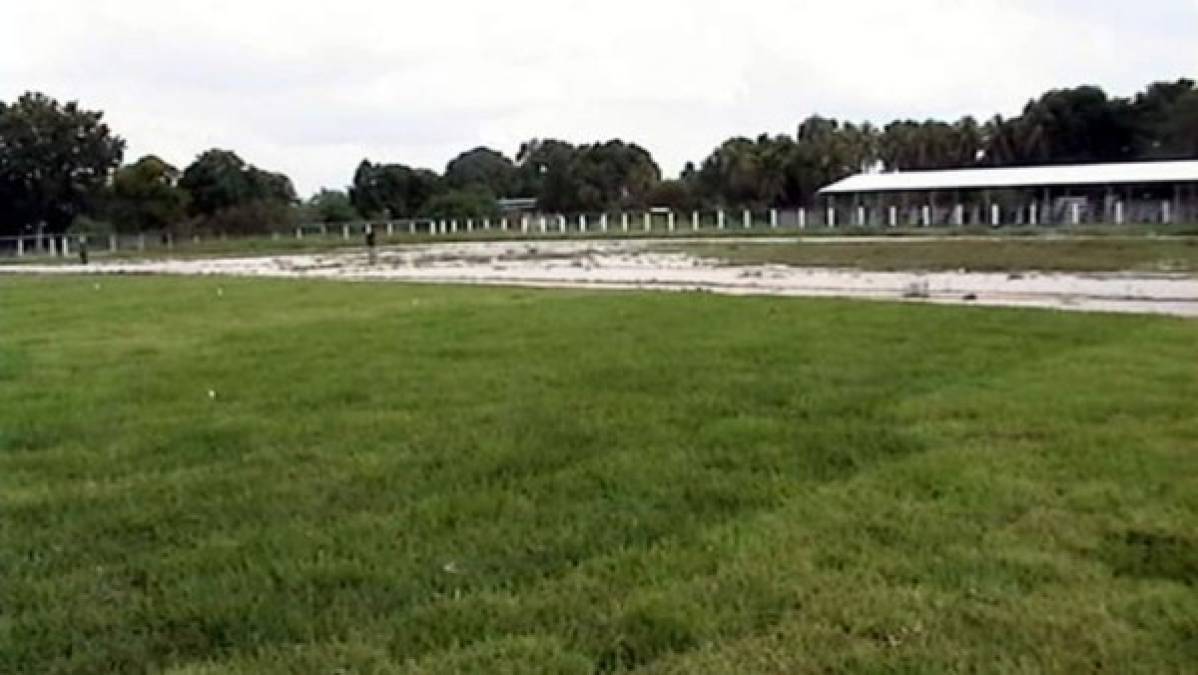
x=1123 y=193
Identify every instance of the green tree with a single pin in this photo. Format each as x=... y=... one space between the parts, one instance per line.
x=219 y=179
x=146 y=196
x=482 y=166
x=332 y=206
x=475 y=201
x=54 y=161
x=392 y=190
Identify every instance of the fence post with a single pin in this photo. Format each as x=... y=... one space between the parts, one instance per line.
x=1033 y=214
x=345 y=231
x=670 y=221
x=582 y=223
x=927 y=215
x=141 y=241
x=561 y=223
x=603 y=222
x=695 y=221
x=892 y=216
x=469 y=224
x=112 y=243
x=720 y=219
x=1166 y=213
x=1119 y=213
x=831 y=217
x=486 y=223
x=748 y=218
x=860 y=216
x=995 y=215
x=20 y=246
x=959 y=215
x=1075 y=213
x=624 y=221
x=390 y=228
x=774 y=218
x=648 y=221
x=299 y=233
x=802 y=218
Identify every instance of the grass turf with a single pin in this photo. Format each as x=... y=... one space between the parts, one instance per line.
x=418 y=479
x=997 y=254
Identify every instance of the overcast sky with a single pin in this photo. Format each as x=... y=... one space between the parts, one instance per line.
x=311 y=88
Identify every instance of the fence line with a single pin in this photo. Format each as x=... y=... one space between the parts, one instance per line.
x=658 y=221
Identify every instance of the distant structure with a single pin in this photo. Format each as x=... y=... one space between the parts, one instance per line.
x=517 y=205
x=1130 y=192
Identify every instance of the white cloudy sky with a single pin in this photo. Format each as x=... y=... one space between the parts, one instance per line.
x=310 y=88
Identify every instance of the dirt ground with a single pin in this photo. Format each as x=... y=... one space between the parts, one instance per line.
x=640 y=265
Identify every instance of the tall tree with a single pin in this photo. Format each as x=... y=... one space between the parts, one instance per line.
x=146 y=196
x=54 y=161
x=219 y=179
x=482 y=167
x=392 y=190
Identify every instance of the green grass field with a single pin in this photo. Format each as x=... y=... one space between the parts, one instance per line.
x=396 y=479
x=996 y=254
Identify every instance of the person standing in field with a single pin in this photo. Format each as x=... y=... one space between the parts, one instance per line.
x=370 y=242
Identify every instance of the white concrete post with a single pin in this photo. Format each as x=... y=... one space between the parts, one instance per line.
x=802 y=218
x=544 y=224
x=299 y=233
x=486 y=223
x=720 y=219
x=561 y=223
x=141 y=242
x=345 y=231
x=1075 y=211
x=453 y=226
x=831 y=217
x=774 y=218
x=893 y=216
x=20 y=247
x=860 y=216
x=411 y=227
x=603 y=222
x=648 y=221
x=927 y=215
x=1118 y=213
x=624 y=221
x=112 y=243
x=995 y=215
x=670 y=221
x=748 y=218
x=469 y=224
x=524 y=224
x=324 y=230
x=1033 y=214
x=1166 y=213
x=390 y=229
x=503 y=224
x=582 y=223
x=53 y=246
x=959 y=215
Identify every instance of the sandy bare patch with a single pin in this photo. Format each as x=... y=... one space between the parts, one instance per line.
x=635 y=265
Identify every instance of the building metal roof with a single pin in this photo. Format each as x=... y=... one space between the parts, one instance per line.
x=1125 y=173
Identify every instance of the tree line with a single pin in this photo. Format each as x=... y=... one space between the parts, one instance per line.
x=62 y=167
